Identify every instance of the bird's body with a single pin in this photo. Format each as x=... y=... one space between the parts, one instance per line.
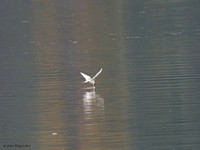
x=90 y=80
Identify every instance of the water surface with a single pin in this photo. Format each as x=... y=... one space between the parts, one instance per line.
x=147 y=97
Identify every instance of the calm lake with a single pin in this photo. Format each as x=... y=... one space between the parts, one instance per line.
x=146 y=98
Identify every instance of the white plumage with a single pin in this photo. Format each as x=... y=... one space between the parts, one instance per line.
x=90 y=80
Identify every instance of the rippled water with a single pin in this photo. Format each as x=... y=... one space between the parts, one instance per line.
x=147 y=97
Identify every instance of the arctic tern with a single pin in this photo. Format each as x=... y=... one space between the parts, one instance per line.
x=90 y=80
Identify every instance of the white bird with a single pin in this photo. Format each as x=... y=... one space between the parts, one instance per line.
x=90 y=80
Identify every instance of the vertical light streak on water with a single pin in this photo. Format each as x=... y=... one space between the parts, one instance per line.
x=98 y=45
x=49 y=74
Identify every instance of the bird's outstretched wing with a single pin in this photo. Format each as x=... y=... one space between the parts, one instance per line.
x=97 y=74
x=87 y=78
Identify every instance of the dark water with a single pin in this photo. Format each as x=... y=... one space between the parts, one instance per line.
x=147 y=97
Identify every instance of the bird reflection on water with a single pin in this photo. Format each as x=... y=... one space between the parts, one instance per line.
x=93 y=104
